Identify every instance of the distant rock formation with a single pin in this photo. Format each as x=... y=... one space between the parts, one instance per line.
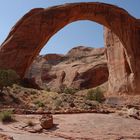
x=82 y=67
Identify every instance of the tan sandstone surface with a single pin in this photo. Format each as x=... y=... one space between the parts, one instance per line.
x=78 y=127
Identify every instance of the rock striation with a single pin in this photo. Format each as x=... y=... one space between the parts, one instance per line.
x=70 y=70
x=32 y=32
x=121 y=78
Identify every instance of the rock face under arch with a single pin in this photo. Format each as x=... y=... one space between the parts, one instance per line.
x=121 y=79
x=72 y=70
x=32 y=32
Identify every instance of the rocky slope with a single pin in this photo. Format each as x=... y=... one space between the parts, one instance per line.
x=73 y=70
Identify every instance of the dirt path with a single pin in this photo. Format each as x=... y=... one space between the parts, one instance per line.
x=79 y=127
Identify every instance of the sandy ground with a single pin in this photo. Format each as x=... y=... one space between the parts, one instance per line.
x=78 y=127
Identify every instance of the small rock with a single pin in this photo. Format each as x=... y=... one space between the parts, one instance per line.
x=5 y=137
x=35 y=130
x=38 y=129
x=46 y=121
x=132 y=112
x=114 y=101
x=40 y=110
x=31 y=130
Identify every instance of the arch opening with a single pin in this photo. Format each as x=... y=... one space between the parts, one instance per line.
x=79 y=33
x=84 y=56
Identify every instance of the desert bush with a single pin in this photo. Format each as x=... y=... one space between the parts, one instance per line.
x=71 y=91
x=57 y=103
x=6 y=116
x=95 y=94
x=30 y=123
x=8 y=78
x=14 y=98
x=39 y=103
x=47 y=89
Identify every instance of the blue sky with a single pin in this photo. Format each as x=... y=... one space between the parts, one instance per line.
x=84 y=33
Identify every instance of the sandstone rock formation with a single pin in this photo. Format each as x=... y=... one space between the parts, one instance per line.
x=121 y=77
x=32 y=32
x=70 y=70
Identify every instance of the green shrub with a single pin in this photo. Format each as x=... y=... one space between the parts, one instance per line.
x=8 y=78
x=57 y=103
x=6 y=116
x=69 y=90
x=39 y=103
x=47 y=89
x=30 y=123
x=95 y=94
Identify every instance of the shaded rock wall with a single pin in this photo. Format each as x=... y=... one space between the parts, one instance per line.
x=72 y=70
x=121 y=77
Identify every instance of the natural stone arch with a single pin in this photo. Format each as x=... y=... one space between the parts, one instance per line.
x=33 y=31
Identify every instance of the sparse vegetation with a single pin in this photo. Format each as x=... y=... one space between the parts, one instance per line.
x=71 y=91
x=47 y=89
x=41 y=100
x=6 y=116
x=8 y=78
x=30 y=123
x=95 y=94
x=39 y=104
x=57 y=104
x=14 y=98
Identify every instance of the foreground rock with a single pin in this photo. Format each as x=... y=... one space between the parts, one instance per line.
x=132 y=112
x=46 y=121
x=4 y=137
x=72 y=70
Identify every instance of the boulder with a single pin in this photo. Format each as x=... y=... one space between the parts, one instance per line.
x=46 y=121
x=5 y=137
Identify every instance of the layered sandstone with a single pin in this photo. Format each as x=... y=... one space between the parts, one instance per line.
x=72 y=70
x=121 y=77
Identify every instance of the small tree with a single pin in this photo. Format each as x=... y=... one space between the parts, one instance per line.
x=95 y=94
x=8 y=78
x=70 y=90
x=6 y=116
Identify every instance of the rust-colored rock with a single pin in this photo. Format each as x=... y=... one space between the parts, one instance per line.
x=46 y=121
x=33 y=31
x=53 y=58
x=5 y=137
x=72 y=71
x=121 y=78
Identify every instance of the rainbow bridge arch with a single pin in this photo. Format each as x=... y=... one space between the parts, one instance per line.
x=35 y=28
